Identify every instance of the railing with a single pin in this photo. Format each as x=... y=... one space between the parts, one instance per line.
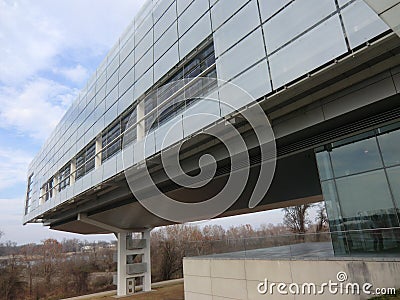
x=366 y=242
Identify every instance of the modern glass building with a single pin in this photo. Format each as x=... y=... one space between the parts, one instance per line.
x=360 y=183
x=326 y=73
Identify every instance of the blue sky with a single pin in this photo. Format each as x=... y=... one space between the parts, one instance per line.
x=48 y=51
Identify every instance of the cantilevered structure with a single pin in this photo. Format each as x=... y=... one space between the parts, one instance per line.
x=326 y=74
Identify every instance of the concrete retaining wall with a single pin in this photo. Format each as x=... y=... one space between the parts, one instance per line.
x=218 y=279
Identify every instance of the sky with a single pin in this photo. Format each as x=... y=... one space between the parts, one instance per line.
x=48 y=51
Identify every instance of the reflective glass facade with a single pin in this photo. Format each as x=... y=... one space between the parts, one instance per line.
x=239 y=41
x=360 y=179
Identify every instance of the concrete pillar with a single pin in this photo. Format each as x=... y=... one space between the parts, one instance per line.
x=99 y=145
x=141 y=125
x=72 y=175
x=121 y=264
x=123 y=252
x=146 y=258
x=56 y=182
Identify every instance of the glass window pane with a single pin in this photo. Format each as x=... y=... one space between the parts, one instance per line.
x=112 y=82
x=169 y=38
x=143 y=46
x=125 y=100
x=343 y=2
x=126 y=65
x=111 y=98
x=366 y=199
x=166 y=20
x=324 y=165
x=394 y=181
x=297 y=17
x=270 y=7
x=332 y=205
x=361 y=23
x=144 y=64
x=246 y=53
x=144 y=83
x=191 y=15
x=126 y=82
x=166 y=62
x=223 y=10
x=113 y=66
x=390 y=147
x=236 y=28
x=182 y=5
x=356 y=157
x=127 y=48
x=317 y=47
x=195 y=36
x=161 y=7
x=143 y=29
x=255 y=81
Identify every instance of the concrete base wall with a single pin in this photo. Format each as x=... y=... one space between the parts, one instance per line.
x=217 y=279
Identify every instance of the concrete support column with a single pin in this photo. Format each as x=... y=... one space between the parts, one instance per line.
x=56 y=182
x=141 y=125
x=99 y=145
x=121 y=264
x=72 y=172
x=147 y=260
x=129 y=272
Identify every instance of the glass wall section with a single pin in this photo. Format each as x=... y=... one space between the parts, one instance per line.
x=47 y=190
x=64 y=177
x=236 y=28
x=28 y=200
x=111 y=143
x=360 y=183
x=287 y=64
x=85 y=160
x=361 y=23
x=203 y=60
x=113 y=136
x=297 y=18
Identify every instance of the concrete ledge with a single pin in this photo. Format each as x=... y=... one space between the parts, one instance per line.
x=114 y=292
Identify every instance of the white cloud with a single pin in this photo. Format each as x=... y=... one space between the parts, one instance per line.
x=77 y=74
x=35 y=35
x=13 y=168
x=36 y=108
x=28 y=41
x=47 y=37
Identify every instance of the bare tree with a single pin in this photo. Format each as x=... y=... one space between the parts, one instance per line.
x=11 y=283
x=321 y=218
x=28 y=260
x=296 y=218
x=51 y=254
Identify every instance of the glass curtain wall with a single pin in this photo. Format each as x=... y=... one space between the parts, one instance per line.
x=360 y=181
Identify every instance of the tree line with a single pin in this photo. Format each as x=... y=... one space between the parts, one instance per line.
x=60 y=269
